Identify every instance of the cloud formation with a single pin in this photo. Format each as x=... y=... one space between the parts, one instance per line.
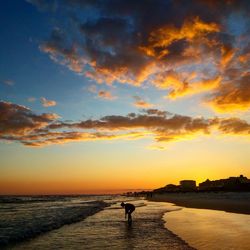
x=47 y=103
x=107 y=95
x=18 y=123
x=232 y=95
x=140 y=103
x=185 y=48
x=17 y=120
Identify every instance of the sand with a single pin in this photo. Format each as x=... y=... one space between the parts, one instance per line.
x=210 y=229
x=234 y=202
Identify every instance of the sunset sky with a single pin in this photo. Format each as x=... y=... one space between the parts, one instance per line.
x=107 y=96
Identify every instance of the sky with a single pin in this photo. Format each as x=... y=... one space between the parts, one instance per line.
x=113 y=96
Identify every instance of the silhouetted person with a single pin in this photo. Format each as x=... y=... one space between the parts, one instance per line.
x=129 y=209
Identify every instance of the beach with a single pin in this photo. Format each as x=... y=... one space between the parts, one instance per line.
x=235 y=202
x=92 y=222
x=209 y=220
x=210 y=229
x=97 y=222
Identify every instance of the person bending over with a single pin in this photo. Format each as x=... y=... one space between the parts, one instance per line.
x=129 y=209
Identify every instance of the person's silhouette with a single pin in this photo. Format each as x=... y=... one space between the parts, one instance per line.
x=129 y=209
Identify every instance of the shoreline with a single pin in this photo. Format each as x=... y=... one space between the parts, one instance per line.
x=210 y=229
x=107 y=229
x=12 y=240
x=228 y=201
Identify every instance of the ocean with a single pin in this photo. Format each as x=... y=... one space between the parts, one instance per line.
x=97 y=222
x=83 y=222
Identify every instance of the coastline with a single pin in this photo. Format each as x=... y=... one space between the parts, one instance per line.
x=107 y=229
x=226 y=201
x=12 y=236
x=210 y=229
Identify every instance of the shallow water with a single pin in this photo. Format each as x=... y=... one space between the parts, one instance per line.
x=25 y=217
x=108 y=229
x=210 y=229
x=64 y=223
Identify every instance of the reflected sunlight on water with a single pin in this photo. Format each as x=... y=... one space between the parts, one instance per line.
x=107 y=229
x=210 y=229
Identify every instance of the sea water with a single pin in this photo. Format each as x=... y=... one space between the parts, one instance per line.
x=23 y=218
x=84 y=222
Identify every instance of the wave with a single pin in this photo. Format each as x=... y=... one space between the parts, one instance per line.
x=35 y=222
x=45 y=198
x=119 y=207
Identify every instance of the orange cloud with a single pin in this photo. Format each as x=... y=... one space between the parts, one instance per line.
x=135 y=63
x=101 y=75
x=47 y=103
x=195 y=87
x=17 y=120
x=227 y=55
x=106 y=95
x=122 y=74
x=168 y=79
x=18 y=123
x=68 y=137
x=139 y=103
x=165 y=36
x=70 y=55
x=234 y=126
x=232 y=96
x=244 y=58
x=182 y=85
x=122 y=44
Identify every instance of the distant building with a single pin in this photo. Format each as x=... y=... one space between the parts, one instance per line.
x=185 y=185
x=172 y=188
x=188 y=185
x=168 y=188
x=239 y=183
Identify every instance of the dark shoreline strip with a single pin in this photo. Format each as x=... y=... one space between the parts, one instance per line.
x=27 y=235
x=214 y=202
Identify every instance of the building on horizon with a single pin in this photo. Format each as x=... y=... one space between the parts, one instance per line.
x=169 y=188
x=188 y=185
x=240 y=183
x=185 y=186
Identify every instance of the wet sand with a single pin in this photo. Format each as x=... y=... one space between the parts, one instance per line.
x=210 y=229
x=227 y=201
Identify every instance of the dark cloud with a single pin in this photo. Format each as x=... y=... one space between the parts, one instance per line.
x=233 y=95
x=18 y=123
x=234 y=126
x=157 y=112
x=137 y=41
x=18 y=120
